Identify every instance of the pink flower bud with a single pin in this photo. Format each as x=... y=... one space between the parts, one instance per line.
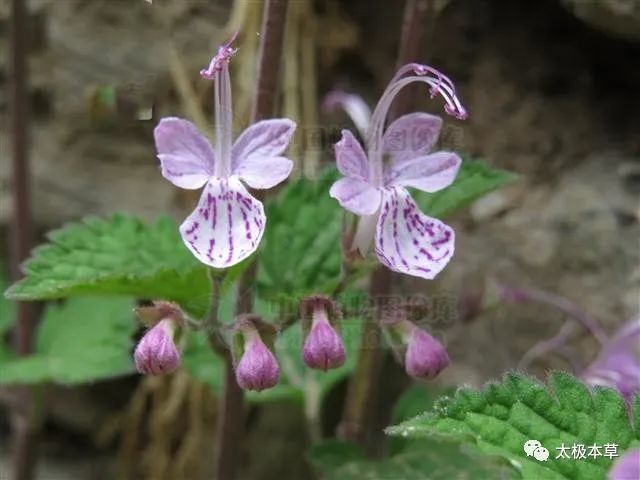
x=425 y=357
x=156 y=353
x=258 y=367
x=323 y=349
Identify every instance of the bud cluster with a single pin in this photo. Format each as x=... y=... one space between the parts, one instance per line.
x=253 y=342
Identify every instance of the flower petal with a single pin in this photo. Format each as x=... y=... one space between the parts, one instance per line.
x=350 y=157
x=264 y=172
x=407 y=241
x=355 y=195
x=226 y=226
x=186 y=157
x=267 y=138
x=411 y=135
x=365 y=233
x=429 y=173
x=618 y=365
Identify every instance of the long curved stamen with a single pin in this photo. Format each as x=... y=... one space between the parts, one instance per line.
x=438 y=84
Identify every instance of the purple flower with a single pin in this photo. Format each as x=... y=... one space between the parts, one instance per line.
x=406 y=240
x=425 y=357
x=156 y=353
x=618 y=365
x=626 y=467
x=353 y=105
x=258 y=367
x=228 y=222
x=323 y=348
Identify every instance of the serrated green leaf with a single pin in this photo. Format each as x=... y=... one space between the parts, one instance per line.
x=415 y=400
x=474 y=180
x=121 y=256
x=300 y=251
x=499 y=419
x=84 y=340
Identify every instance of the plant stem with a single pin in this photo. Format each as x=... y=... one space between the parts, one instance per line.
x=270 y=54
x=231 y=413
x=519 y=294
x=23 y=416
x=412 y=46
x=362 y=392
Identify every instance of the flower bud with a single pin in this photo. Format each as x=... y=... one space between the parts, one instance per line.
x=425 y=357
x=323 y=348
x=257 y=367
x=422 y=355
x=156 y=353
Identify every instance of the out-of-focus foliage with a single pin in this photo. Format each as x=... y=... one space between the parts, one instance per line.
x=7 y=315
x=474 y=180
x=500 y=418
x=83 y=340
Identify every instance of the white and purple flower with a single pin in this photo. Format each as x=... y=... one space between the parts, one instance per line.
x=228 y=222
x=375 y=180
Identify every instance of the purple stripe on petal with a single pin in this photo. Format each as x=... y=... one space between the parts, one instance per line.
x=407 y=241
x=227 y=225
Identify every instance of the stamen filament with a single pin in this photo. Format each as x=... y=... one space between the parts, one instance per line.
x=223 y=121
x=438 y=84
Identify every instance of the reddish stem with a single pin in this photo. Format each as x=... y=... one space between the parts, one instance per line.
x=232 y=411
x=23 y=424
x=412 y=48
x=363 y=388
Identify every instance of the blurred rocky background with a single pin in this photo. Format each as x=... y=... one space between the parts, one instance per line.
x=552 y=90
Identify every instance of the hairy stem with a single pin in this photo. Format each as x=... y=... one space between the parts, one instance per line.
x=231 y=424
x=24 y=424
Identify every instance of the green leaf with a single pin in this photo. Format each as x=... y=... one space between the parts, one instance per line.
x=202 y=363
x=474 y=180
x=84 y=340
x=121 y=256
x=415 y=400
x=7 y=307
x=428 y=460
x=499 y=419
x=333 y=454
x=300 y=251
